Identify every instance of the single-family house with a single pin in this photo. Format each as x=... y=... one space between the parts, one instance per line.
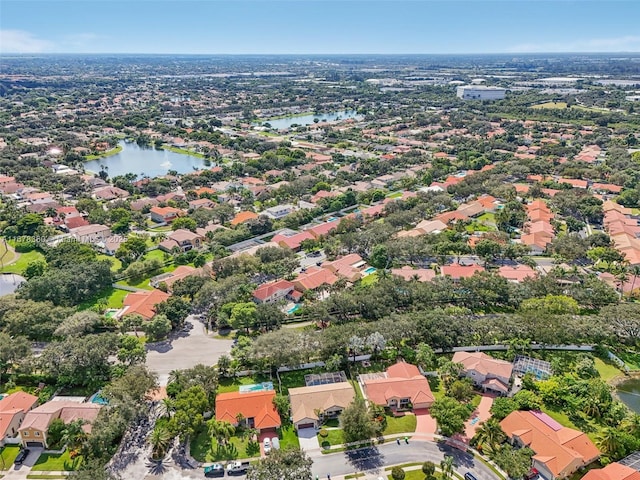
x=311 y=405
x=169 y=278
x=559 y=451
x=323 y=229
x=400 y=387
x=242 y=217
x=33 y=431
x=313 y=278
x=13 y=409
x=273 y=291
x=279 y=211
x=485 y=372
x=294 y=241
x=93 y=233
x=516 y=273
x=350 y=267
x=164 y=214
x=419 y=274
x=255 y=409
x=613 y=471
x=201 y=203
x=457 y=271
x=181 y=240
x=142 y=303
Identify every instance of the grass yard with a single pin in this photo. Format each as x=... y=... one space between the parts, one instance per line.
x=108 y=153
x=288 y=437
x=551 y=105
x=142 y=284
x=632 y=359
x=8 y=455
x=22 y=262
x=183 y=151
x=334 y=437
x=49 y=462
x=607 y=371
x=113 y=296
x=295 y=379
x=369 y=279
x=6 y=254
x=404 y=424
x=233 y=384
x=356 y=387
x=116 y=265
x=436 y=387
x=206 y=449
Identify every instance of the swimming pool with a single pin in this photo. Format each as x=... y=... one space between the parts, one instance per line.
x=98 y=399
x=369 y=270
x=293 y=309
x=256 y=387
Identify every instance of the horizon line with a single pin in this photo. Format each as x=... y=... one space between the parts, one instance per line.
x=18 y=54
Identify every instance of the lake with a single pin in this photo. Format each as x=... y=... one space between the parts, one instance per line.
x=629 y=393
x=149 y=161
x=283 y=123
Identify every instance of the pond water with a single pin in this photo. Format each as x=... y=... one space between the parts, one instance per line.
x=149 y=161
x=629 y=393
x=283 y=123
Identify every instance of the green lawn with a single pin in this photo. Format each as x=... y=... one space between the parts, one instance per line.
x=551 y=105
x=334 y=437
x=108 y=153
x=404 y=424
x=356 y=387
x=436 y=387
x=288 y=437
x=607 y=371
x=6 y=254
x=632 y=359
x=116 y=265
x=51 y=462
x=113 y=296
x=206 y=449
x=22 y=262
x=369 y=279
x=233 y=384
x=7 y=456
x=143 y=284
x=295 y=379
x=182 y=151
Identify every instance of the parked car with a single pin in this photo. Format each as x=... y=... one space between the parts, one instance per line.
x=237 y=468
x=267 y=446
x=469 y=476
x=22 y=456
x=275 y=443
x=215 y=470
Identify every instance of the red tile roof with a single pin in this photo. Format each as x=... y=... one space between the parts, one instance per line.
x=267 y=290
x=456 y=270
x=252 y=405
x=143 y=303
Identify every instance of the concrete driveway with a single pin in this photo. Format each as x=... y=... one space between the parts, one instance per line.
x=481 y=414
x=425 y=423
x=19 y=472
x=308 y=439
x=185 y=350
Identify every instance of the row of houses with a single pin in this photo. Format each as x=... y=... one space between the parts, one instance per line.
x=23 y=422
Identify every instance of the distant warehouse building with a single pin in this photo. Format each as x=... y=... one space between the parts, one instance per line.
x=480 y=92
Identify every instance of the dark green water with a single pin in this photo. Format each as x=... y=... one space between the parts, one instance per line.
x=629 y=393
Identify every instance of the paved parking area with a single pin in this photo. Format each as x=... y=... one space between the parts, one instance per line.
x=308 y=439
x=480 y=415
x=187 y=350
x=425 y=423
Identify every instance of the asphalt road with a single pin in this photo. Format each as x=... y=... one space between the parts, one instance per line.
x=373 y=460
x=185 y=350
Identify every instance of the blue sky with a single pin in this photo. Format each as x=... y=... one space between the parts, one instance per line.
x=318 y=26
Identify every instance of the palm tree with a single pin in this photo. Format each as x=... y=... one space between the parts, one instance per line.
x=489 y=435
x=73 y=435
x=632 y=425
x=446 y=466
x=635 y=271
x=222 y=431
x=160 y=440
x=609 y=442
x=166 y=407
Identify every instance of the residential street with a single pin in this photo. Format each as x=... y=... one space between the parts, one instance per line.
x=186 y=350
x=374 y=459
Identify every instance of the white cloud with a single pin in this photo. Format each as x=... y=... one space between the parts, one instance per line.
x=627 y=43
x=19 y=41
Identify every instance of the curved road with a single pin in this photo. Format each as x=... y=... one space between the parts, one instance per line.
x=373 y=460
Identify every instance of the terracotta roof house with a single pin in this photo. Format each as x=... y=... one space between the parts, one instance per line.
x=33 y=431
x=431 y=226
x=13 y=409
x=400 y=387
x=485 y=372
x=143 y=303
x=516 y=273
x=457 y=271
x=613 y=471
x=350 y=267
x=419 y=274
x=164 y=214
x=314 y=278
x=256 y=408
x=242 y=217
x=109 y=193
x=311 y=405
x=75 y=221
x=201 y=203
x=559 y=451
x=273 y=291
x=181 y=240
x=292 y=241
x=323 y=229
x=183 y=271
